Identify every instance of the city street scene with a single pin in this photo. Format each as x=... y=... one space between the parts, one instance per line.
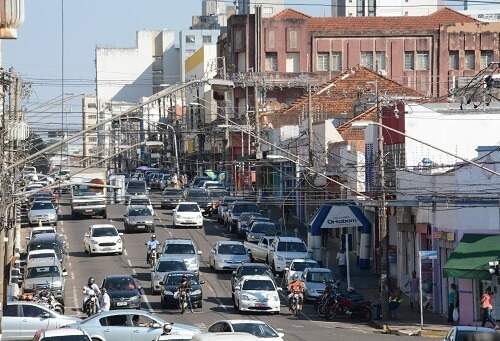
x=219 y=170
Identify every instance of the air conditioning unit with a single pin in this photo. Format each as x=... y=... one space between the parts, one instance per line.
x=382 y=72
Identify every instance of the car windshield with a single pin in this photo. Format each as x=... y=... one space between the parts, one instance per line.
x=86 y=190
x=37 y=232
x=43 y=271
x=264 y=228
x=258 y=284
x=166 y=266
x=188 y=208
x=217 y=193
x=175 y=279
x=104 y=232
x=197 y=194
x=43 y=245
x=136 y=187
x=232 y=249
x=42 y=255
x=139 y=212
x=179 y=249
x=257 y=329
x=172 y=192
x=245 y=208
x=301 y=266
x=41 y=205
x=291 y=247
x=139 y=202
x=120 y=283
x=253 y=270
x=67 y=338
x=474 y=335
x=319 y=277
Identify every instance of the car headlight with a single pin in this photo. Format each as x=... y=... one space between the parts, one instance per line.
x=274 y=298
x=196 y=292
x=93 y=241
x=135 y=298
x=119 y=241
x=246 y=298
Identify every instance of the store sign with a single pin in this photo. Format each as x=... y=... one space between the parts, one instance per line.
x=341 y=217
x=428 y=255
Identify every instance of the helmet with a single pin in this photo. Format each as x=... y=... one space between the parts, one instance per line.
x=153 y=236
x=295 y=277
x=350 y=289
x=91 y=281
x=103 y=290
x=184 y=278
x=167 y=328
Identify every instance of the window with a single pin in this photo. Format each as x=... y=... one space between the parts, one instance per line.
x=242 y=62
x=453 y=60
x=142 y=321
x=367 y=59
x=92 y=139
x=372 y=8
x=292 y=39
x=238 y=40
x=190 y=39
x=267 y=11
x=486 y=58
x=323 y=62
x=380 y=60
x=92 y=117
x=271 y=61
x=292 y=62
x=470 y=60
x=10 y=310
x=271 y=38
x=336 y=61
x=207 y=39
x=114 y=321
x=360 y=8
x=409 y=60
x=32 y=311
x=422 y=60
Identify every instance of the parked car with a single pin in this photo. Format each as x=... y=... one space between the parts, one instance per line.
x=163 y=266
x=103 y=238
x=141 y=200
x=45 y=274
x=260 y=251
x=236 y=209
x=285 y=249
x=184 y=250
x=257 y=328
x=171 y=282
x=297 y=267
x=246 y=218
x=42 y=212
x=187 y=214
x=171 y=197
x=139 y=218
x=63 y=334
x=41 y=230
x=21 y=320
x=250 y=269
x=41 y=254
x=199 y=196
x=315 y=280
x=259 y=229
x=48 y=241
x=129 y=324
x=462 y=333
x=123 y=291
x=227 y=255
x=257 y=293
x=223 y=206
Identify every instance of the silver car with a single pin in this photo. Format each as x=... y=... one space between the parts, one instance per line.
x=259 y=229
x=42 y=211
x=315 y=280
x=228 y=255
x=21 y=320
x=139 y=218
x=163 y=266
x=137 y=325
x=43 y=274
x=184 y=250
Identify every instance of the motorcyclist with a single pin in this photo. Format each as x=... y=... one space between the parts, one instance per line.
x=90 y=289
x=184 y=285
x=167 y=331
x=296 y=286
x=152 y=244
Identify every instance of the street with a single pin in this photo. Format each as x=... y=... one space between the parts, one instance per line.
x=217 y=304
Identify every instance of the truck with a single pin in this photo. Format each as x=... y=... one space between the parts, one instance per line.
x=260 y=251
x=89 y=193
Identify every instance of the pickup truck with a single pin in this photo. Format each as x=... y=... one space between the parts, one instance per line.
x=259 y=251
x=284 y=250
x=88 y=193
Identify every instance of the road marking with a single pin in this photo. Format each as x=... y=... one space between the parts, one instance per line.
x=72 y=275
x=150 y=308
x=129 y=262
x=75 y=301
x=125 y=252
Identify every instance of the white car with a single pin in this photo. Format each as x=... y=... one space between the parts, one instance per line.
x=141 y=200
x=297 y=267
x=257 y=293
x=103 y=239
x=257 y=328
x=187 y=214
x=40 y=230
x=63 y=334
x=38 y=254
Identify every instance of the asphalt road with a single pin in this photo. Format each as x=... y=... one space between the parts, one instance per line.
x=217 y=304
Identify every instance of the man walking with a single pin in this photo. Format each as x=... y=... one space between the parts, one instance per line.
x=487 y=306
x=342 y=263
x=452 y=301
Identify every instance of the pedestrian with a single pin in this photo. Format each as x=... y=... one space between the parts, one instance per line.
x=341 y=262
x=105 y=300
x=452 y=301
x=487 y=306
x=413 y=283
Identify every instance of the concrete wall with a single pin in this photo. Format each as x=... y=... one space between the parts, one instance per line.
x=190 y=41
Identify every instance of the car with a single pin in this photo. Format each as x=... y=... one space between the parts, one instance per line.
x=169 y=286
x=257 y=328
x=163 y=266
x=187 y=214
x=285 y=249
x=199 y=181
x=21 y=320
x=234 y=212
x=141 y=200
x=63 y=334
x=297 y=267
x=48 y=241
x=259 y=229
x=216 y=195
x=160 y=181
x=246 y=218
x=315 y=280
x=257 y=293
x=41 y=254
x=227 y=255
x=248 y=269
x=224 y=337
x=459 y=333
x=45 y=274
x=223 y=206
x=212 y=184
x=123 y=291
x=129 y=324
x=40 y=230
x=136 y=187
x=42 y=212
x=184 y=250
x=42 y=196
x=102 y=238
x=139 y=218
x=171 y=197
x=199 y=196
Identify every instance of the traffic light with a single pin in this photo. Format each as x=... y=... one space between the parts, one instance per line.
x=494 y=268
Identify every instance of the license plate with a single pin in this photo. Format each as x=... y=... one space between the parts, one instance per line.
x=107 y=248
x=121 y=304
x=260 y=305
x=141 y=226
x=88 y=211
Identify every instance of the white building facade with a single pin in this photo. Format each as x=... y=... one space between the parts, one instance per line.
x=269 y=7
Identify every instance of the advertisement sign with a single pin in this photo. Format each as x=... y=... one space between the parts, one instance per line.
x=340 y=217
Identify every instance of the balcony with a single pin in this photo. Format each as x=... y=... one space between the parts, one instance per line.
x=286 y=79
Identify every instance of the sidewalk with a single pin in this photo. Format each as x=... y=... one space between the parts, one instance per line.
x=407 y=322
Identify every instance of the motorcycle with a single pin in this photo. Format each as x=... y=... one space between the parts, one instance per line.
x=48 y=299
x=184 y=300
x=341 y=306
x=90 y=306
x=153 y=255
x=295 y=306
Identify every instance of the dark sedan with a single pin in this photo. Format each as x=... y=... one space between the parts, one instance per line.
x=170 y=284
x=199 y=196
x=123 y=291
x=250 y=269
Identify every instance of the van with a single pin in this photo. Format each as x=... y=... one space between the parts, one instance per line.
x=224 y=337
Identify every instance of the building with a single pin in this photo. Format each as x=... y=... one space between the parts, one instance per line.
x=269 y=7
x=214 y=15
x=486 y=15
x=89 y=119
x=192 y=40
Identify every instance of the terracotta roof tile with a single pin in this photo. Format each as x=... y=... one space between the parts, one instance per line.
x=289 y=13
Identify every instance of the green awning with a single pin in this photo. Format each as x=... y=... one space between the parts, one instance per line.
x=470 y=258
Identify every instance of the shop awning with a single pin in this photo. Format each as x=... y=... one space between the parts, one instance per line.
x=331 y=216
x=470 y=258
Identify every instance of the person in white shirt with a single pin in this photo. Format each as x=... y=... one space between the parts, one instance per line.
x=152 y=244
x=105 y=300
x=341 y=262
x=90 y=289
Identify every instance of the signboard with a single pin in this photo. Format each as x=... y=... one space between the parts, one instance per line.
x=340 y=217
x=428 y=255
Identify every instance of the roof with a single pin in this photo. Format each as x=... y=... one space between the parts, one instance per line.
x=225 y=337
x=37 y=262
x=44 y=237
x=141 y=197
x=242 y=321
x=301 y=260
x=257 y=278
x=229 y=242
x=475 y=329
x=100 y=226
x=178 y=241
x=187 y=203
x=62 y=332
x=289 y=13
x=255 y=265
x=290 y=239
x=318 y=270
x=39 y=252
x=43 y=228
x=470 y=258
x=117 y=276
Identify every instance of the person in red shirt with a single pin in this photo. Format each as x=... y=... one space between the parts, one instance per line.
x=296 y=286
x=487 y=306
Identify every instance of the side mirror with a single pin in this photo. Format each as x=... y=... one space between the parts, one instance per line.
x=65 y=273
x=86 y=235
x=287 y=269
x=279 y=288
x=234 y=273
x=156 y=325
x=120 y=234
x=161 y=283
x=200 y=252
x=202 y=282
x=27 y=237
x=237 y=287
x=281 y=334
x=45 y=315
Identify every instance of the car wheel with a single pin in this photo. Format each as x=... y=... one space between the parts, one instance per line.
x=234 y=303
x=105 y=215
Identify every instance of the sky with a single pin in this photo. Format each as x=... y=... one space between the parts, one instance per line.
x=36 y=54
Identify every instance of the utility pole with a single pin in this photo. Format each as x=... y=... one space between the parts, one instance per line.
x=310 y=133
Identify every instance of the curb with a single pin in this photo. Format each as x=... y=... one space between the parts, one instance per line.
x=416 y=331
